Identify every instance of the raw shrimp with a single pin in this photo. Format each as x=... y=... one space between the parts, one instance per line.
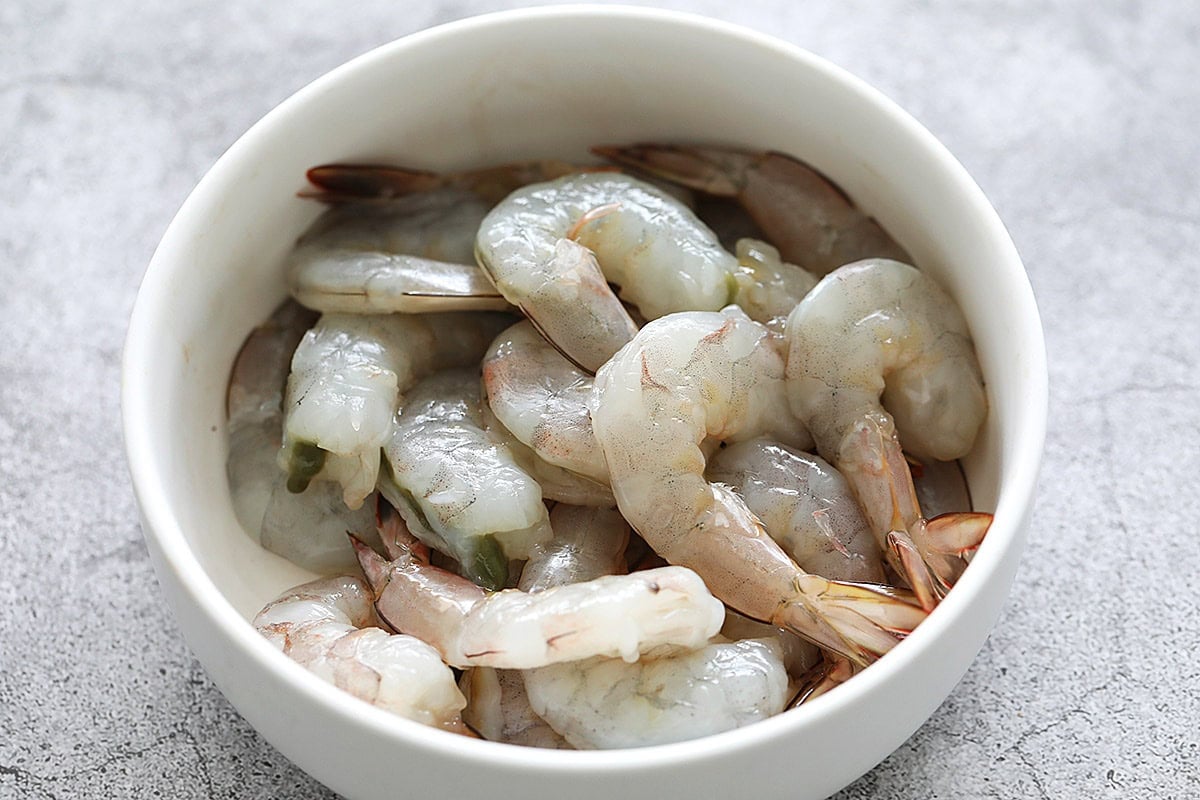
x=551 y=249
x=941 y=486
x=695 y=375
x=619 y=615
x=663 y=697
x=880 y=334
x=498 y=709
x=807 y=217
x=767 y=287
x=254 y=405
x=460 y=491
x=347 y=378
x=805 y=505
x=542 y=399
x=327 y=626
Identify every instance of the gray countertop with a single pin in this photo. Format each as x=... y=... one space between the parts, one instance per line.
x=1078 y=120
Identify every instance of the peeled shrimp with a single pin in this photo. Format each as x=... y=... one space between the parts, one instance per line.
x=799 y=211
x=688 y=377
x=327 y=627
x=347 y=378
x=662 y=697
x=806 y=506
x=552 y=248
x=767 y=287
x=415 y=254
x=460 y=490
x=879 y=335
x=620 y=615
x=542 y=399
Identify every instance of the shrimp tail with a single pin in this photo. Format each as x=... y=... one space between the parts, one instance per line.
x=857 y=621
x=375 y=567
x=826 y=675
x=907 y=560
x=339 y=183
x=714 y=172
x=948 y=539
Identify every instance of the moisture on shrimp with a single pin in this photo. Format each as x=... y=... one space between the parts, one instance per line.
x=674 y=370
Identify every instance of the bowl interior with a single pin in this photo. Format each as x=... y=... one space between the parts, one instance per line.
x=480 y=93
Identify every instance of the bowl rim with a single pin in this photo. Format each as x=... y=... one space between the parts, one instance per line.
x=162 y=527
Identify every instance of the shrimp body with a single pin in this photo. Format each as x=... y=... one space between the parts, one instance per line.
x=767 y=287
x=346 y=381
x=552 y=248
x=688 y=377
x=604 y=703
x=326 y=626
x=460 y=490
x=616 y=616
x=878 y=335
x=799 y=211
x=542 y=399
x=498 y=708
x=806 y=506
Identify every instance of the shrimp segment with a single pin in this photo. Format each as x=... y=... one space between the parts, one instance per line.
x=347 y=378
x=620 y=615
x=552 y=254
x=806 y=506
x=878 y=334
x=460 y=490
x=327 y=626
x=498 y=708
x=542 y=399
x=412 y=255
x=688 y=377
x=801 y=212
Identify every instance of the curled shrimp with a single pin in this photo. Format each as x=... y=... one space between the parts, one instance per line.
x=328 y=627
x=552 y=249
x=880 y=334
x=619 y=615
x=805 y=505
x=662 y=697
x=807 y=217
x=683 y=379
x=498 y=709
x=347 y=377
x=542 y=399
x=459 y=489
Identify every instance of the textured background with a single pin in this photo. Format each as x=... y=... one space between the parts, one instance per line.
x=1079 y=121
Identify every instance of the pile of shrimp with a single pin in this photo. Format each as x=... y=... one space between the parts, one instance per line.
x=603 y=456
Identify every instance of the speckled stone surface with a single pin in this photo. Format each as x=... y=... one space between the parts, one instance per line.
x=1080 y=123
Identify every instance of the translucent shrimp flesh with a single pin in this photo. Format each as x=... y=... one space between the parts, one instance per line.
x=691 y=376
x=806 y=506
x=460 y=490
x=811 y=221
x=552 y=249
x=498 y=709
x=664 y=696
x=412 y=255
x=878 y=335
x=328 y=627
x=619 y=615
x=347 y=377
x=542 y=399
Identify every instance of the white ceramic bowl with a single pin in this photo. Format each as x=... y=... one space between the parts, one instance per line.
x=549 y=83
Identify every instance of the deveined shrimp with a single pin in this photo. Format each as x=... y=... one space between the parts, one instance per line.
x=806 y=506
x=347 y=377
x=662 y=697
x=542 y=399
x=799 y=211
x=413 y=255
x=688 y=377
x=328 y=626
x=878 y=335
x=552 y=248
x=460 y=490
x=619 y=615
